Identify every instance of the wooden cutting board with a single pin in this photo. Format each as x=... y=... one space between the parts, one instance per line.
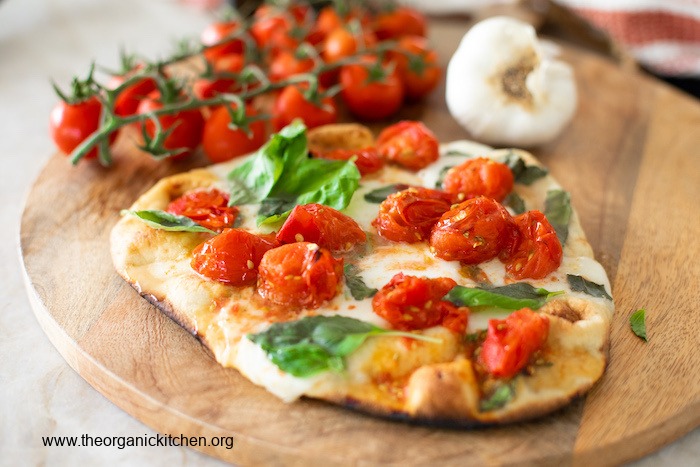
x=630 y=160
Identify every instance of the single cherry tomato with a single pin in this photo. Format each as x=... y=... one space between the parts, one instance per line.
x=409 y=215
x=510 y=342
x=291 y=104
x=232 y=257
x=285 y=64
x=221 y=143
x=206 y=88
x=409 y=144
x=186 y=126
x=419 y=76
x=341 y=43
x=217 y=32
x=367 y=160
x=322 y=225
x=326 y=21
x=71 y=124
x=474 y=231
x=127 y=102
x=268 y=22
x=410 y=303
x=208 y=208
x=539 y=251
x=402 y=21
x=300 y=275
x=479 y=177
x=369 y=98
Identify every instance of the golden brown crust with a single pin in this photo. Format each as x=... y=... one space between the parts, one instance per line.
x=340 y=136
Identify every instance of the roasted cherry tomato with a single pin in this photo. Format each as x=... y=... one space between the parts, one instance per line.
x=368 y=98
x=322 y=225
x=127 y=102
x=367 y=160
x=539 y=251
x=186 y=126
x=206 y=88
x=401 y=21
x=208 y=208
x=291 y=104
x=71 y=124
x=221 y=143
x=479 y=177
x=286 y=64
x=300 y=275
x=216 y=32
x=419 y=76
x=510 y=342
x=232 y=257
x=474 y=231
x=410 y=303
x=409 y=215
x=409 y=144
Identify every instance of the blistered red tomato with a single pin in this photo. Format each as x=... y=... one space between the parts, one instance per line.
x=474 y=231
x=538 y=252
x=208 y=208
x=411 y=303
x=71 y=124
x=322 y=225
x=291 y=104
x=221 y=143
x=300 y=275
x=409 y=215
x=409 y=144
x=510 y=342
x=217 y=32
x=185 y=126
x=206 y=88
x=479 y=177
x=401 y=21
x=369 y=98
x=232 y=257
x=367 y=160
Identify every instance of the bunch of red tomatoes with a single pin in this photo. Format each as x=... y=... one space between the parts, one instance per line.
x=375 y=61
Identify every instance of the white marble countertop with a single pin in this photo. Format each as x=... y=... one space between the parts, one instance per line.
x=40 y=395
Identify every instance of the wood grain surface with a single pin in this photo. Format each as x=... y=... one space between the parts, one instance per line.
x=630 y=160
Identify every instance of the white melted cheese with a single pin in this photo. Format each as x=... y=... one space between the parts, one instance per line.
x=388 y=258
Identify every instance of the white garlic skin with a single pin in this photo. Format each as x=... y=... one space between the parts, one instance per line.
x=476 y=97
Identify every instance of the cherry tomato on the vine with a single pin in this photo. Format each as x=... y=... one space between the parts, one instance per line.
x=221 y=143
x=409 y=144
x=127 y=101
x=367 y=160
x=285 y=64
x=474 y=231
x=208 y=208
x=480 y=177
x=409 y=215
x=186 y=125
x=510 y=342
x=217 y=32
x=71 y=124
x=341 y=43
x=367 y=97
x=419 y=71
x=232 y=257
x=401 y=21
x=206 y=88
x=299 y=275
x=411 y=303
x=291 y=104
x=538 y=252
x=322 y=225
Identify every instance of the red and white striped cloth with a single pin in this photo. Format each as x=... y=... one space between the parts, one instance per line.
x=664 y=35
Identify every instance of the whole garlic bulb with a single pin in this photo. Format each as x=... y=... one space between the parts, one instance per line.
x=504 y=90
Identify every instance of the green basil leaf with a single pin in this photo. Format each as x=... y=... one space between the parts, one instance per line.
x=522 y=173
x=357 y=286
x=441 y=176
x=508 y=297
x=581 y=284
x=274 y=209
x=318 y=343
x=331 y=183
x=515 y=202
x=162 y=220
x=557 y=210
x=456 y=153
x=638 y=324
x=380 y=194
x=500 y=397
